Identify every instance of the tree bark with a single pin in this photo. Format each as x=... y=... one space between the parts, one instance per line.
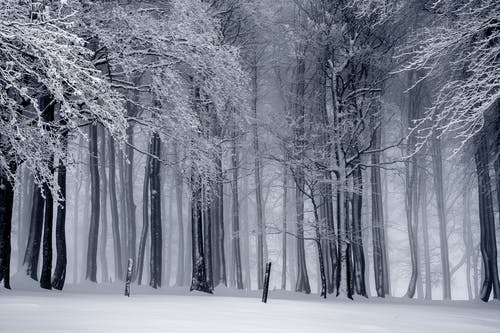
x=437 y=162
x=236 y=214
x=180 y=225
x=258 y=178
x=156 y=227
x=115 y=224
x=284 y=227
x=104 y=209
x=486 y=221
x=95 y=205
x=425 y=231
x=6 y=205
x=357 y=237
x=59 y=275
x=145 y=217
x=199 y=279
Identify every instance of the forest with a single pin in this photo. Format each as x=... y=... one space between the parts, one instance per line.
x=353 y=144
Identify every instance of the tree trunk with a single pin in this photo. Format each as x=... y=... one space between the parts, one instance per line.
x=115 y=224
x=123 y=210
x=258 y=178
x=156 y=227
x=425 y=231
x=32 y=253
x=467 y=237
x=236 y=214
x=180 y=225
x=60 y=271
x=486 y=221
x=321 y=260
x=129 y=195
x=284 y=227
x=378 y=225
x=95 y=206
x=145 y=217
x=6 y=205
x=357 y=237
x=104 y=209
x=45 y=276
x=199 y=279
x=437 y=162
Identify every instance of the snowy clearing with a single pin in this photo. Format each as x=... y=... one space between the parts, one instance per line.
x=169 y=311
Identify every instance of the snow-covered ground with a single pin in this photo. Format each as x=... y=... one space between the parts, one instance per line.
x=104 y=309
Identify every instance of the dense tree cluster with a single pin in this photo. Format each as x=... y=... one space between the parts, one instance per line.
x=192 y=119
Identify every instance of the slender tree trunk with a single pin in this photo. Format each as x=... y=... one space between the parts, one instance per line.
x=6 y=205
x=32 y=253
x=104 y=209
x=425 y=231
x=321 y=260
x=411 y=197
x=45 y=276
x=145 y=218
x=75 y=230
x=115 y=224
x=236 y=214
x=95 y=206
x=437 y=162
x=59 y=275
x=180 y=225
x=258 y=179
x=25 y=210
x=246 y=237
x=129 y=195
x=284 y=227
x=378 y=225
x=123 y=210
x=156 y=226
x=487 y=222
x=357 y=237
x=467 y=237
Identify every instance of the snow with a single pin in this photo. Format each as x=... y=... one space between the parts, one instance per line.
x=103 y=308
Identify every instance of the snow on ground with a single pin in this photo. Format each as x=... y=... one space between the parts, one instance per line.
x=103 y=308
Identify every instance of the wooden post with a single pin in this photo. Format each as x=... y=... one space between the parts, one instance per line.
x=266 y=282
x=129 y=276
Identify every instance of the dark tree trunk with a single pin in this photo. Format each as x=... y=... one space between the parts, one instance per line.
x=32 y=253
x=45 y=277
x=95 y=205
x=437 y=163
x=321 y=260
x=145 y=217
x=6 y=203
x=60 y=271
x=207 y=237
x=104 y=209
x=486 y=221
x=378 y=226
x=156 y=227
x=357 y=237
x=115 y=224
x=199 y=278
x=129 y=195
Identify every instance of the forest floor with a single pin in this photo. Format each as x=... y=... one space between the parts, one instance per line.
x=103 y=308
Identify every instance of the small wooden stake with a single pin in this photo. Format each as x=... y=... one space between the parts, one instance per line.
x=266 y=282
x=129 y=277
